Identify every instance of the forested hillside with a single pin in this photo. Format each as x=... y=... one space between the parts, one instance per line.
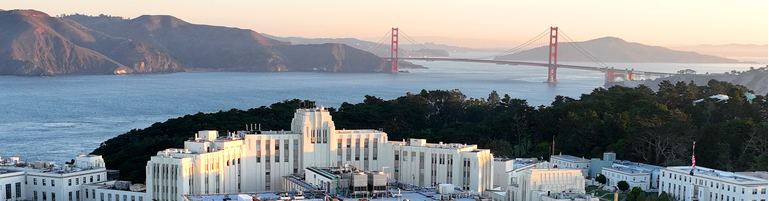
x=636 y=123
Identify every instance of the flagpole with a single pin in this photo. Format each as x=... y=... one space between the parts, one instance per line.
x=694 y=162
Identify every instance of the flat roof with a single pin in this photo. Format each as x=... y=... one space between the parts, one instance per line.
x=627 y=170
x=323 y=172
x=633 y=167
x=571 y=158
x=358 y=131
x=7 y=171
x=725 y=175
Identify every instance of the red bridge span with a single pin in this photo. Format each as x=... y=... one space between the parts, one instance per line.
x=612 y=76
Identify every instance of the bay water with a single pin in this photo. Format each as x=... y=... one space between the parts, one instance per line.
x=57 y=118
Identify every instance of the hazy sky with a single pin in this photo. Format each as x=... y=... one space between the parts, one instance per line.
x=498 y=22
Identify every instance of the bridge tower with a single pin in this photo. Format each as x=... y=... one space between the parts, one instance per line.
x=553 y=56
x=394 y=51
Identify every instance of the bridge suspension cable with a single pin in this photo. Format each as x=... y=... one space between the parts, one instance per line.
x=583 y=51
x=379 y=43
x=519 y=47
x=408 y=38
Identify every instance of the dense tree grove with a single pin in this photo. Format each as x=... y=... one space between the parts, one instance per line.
x=636 y=123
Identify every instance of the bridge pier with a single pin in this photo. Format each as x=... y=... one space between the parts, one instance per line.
x=394 y=52
x=551 y=74
x=552 y=69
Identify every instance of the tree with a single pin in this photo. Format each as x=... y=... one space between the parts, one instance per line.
x=501 y=148
x=636 y=193
x=623 y=185
x=601 y=179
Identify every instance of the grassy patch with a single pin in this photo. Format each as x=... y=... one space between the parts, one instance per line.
x=591 y=188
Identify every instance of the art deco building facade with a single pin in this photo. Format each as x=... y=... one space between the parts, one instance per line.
x=254 y=161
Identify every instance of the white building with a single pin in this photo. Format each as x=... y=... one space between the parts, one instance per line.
x=256 y=161
x=46 y=181
x=538 y=181
x=113 y=191
x=635 y=174
x=711 y=185
x=573 y=162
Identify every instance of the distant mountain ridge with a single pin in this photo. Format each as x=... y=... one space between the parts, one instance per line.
x=36 y=44
x=431 y=49
x=612 y=49
x=728 y=50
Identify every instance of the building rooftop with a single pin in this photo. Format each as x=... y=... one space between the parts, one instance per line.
x=8 y=171
x=47 y=167
x=756 y=174
x=323 y=172
x=724 y=175
x=299 y=181
x=119 y=185
x=633 y=167
x=523 y=162
x=358 y=131
x=627 y=170
x=571 y=158
x=571 y=194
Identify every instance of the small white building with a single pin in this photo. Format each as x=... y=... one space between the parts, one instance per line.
x=538 y=181
x=114 y=191
x=711 y=185
x=573 y=162
x=635 y=174
x=46 y=181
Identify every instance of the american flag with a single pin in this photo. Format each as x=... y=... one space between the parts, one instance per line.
x=694 y=161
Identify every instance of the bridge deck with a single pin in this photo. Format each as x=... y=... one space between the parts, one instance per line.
x=528 y=64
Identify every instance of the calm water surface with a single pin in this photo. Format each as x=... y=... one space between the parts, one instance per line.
x=57 y=118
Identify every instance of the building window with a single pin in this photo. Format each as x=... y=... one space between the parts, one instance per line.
x=8 y=191
x=18 y=189
x=77 y=181
x=34 y=195
x=53 y=196
x=70 y=196
x=44 y=198
x=98 y=177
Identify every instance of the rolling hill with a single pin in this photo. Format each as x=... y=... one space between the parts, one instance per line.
x=33 y=43
x=612 y=49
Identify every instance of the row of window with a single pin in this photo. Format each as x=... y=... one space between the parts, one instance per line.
x=44 y=195
x=712 y=184
x=44 y=182
x=118 y=196
x=258 y=145
x=357 y=142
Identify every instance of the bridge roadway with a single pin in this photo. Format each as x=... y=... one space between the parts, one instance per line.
x=502 y=62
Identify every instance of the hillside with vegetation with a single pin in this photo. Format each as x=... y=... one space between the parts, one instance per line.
x=612 y=49
x=636 y=123
x=34 y=43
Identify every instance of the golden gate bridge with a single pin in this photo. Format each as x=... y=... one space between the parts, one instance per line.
x=579 y=58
